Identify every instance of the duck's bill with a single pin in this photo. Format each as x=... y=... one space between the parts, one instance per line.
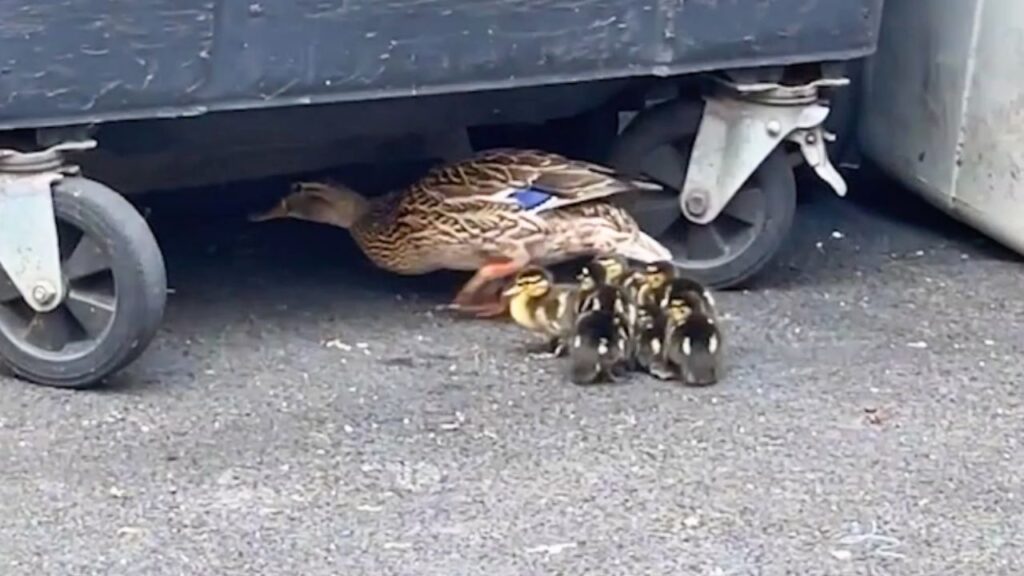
x=272 y=214
x=511 y=291
x=278 y=211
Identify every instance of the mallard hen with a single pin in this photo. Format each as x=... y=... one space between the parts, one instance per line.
x=494 y=213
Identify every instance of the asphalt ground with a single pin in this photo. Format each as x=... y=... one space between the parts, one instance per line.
x=302 y=413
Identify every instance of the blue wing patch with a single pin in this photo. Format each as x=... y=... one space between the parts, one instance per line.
x=530 y=198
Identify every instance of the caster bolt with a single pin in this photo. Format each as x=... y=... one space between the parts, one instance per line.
x=697 y=202
x=774 y=128
x=43 y=293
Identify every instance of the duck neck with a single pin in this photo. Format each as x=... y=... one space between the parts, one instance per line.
x=377 y=216
x=349 y=206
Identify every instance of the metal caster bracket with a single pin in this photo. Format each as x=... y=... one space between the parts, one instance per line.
x=741 y=125
x=29 y=252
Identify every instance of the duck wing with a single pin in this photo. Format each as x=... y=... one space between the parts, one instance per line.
x=531 y=180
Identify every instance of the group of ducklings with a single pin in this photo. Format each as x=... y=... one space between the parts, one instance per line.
x=620 y=317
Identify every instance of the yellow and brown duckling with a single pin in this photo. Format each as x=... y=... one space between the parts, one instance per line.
x=631 y=284
x=600 y=299
x=597 y=292
x=682 y=291
x=659 y=282
x=540 y=305
x=588 y=279
x=653 y=279
x=616 y=268
x=693 y=351
x=599 y=351
x=675 y=334
x=619 y=273
x=693 y=338
x=649 y=333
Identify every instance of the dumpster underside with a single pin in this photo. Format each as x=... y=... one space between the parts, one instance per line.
x=65 y=63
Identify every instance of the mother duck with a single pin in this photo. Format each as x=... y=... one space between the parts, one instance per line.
x=494 y=213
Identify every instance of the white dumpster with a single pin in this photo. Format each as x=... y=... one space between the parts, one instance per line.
x=944 y=108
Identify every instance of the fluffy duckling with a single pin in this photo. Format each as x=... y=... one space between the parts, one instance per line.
x=654 y=278
x=600 y=347
x=694 y=350
x=619 y=273
x=589 y=278
x=608 y=299
x=596 y=294
x=632 y=282
x=648 y=335
x=682 y=291
x=540 y=305
x=616 y=268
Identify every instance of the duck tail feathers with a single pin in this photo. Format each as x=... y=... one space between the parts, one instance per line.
x=645 y=249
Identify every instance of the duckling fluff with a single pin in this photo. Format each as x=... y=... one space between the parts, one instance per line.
x=540 y=305
x=694 y=350
x=599 y=351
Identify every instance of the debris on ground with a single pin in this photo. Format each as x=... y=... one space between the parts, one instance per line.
x=337 y=344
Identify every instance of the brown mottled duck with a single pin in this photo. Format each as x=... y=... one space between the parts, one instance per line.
x=494 y=213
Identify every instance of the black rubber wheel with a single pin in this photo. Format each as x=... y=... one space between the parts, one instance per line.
x=116 y=292
x=737 y=245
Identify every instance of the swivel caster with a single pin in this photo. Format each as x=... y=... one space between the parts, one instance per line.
x=730 y=193
x=81 y=299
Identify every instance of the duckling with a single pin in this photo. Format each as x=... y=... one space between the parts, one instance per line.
x=589 y=278
x=606 y=298
x=540 y=305
x=654 y=278
x=648 y=342
x=595 y=293
x=599 y=294
x=632 y=282
x=600 y=347
x=619 y=273
x=683 y=291
x=694 y=350
x=615 y=267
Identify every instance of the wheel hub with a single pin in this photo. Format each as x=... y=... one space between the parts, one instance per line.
x=697 y=202
x=43 y=293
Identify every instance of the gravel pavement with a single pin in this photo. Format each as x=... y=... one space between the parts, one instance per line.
x=302 y=414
